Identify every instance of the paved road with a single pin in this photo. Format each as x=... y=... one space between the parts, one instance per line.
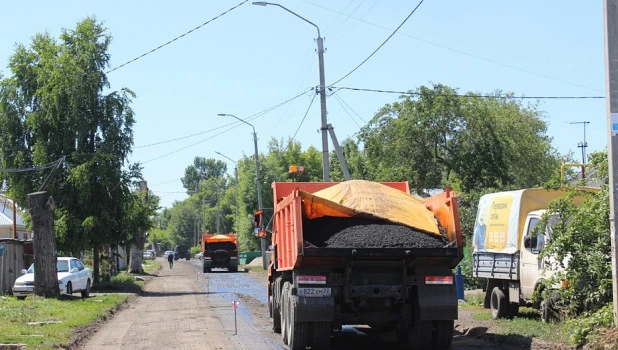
x=178 y=312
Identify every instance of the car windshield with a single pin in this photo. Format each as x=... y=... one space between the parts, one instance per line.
x=62 y=266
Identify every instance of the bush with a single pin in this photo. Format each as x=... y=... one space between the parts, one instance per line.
x=585 y=328
x=582 y=238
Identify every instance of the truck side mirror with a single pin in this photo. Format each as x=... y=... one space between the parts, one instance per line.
x=257 y=219
x=530 y=242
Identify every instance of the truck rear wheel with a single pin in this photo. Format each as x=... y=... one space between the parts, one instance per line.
x=443 y=334
x=285 y=322
x=276 y=316
x=233 y=268
x=420 y=334
x=320 y=337
x=298 y=333
x=498 y=304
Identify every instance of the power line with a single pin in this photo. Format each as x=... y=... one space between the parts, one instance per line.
x=185 y=137
x=458 y=51
x=176 y=38
x=345 y=109
x=470 y=95
x=379 y=47
x=36 y=168
x=303 y=120
x=234 y=125
x=259 y=114
x=189 y=146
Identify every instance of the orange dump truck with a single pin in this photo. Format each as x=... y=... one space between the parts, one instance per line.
x=221 y=251
x=361 y=252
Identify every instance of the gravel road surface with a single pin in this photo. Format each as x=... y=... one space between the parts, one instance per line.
x=183 y=308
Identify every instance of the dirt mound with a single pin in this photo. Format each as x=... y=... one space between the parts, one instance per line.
x=328 y=232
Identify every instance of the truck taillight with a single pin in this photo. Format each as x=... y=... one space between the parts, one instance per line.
x=305 y=279
x=438 y=279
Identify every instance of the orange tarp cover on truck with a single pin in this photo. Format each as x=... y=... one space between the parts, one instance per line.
x=220 y=238
x=371 y=200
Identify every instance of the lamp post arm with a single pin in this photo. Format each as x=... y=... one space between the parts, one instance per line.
x=263 y=3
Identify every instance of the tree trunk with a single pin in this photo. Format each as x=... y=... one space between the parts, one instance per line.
x=96 y=266
x=45 y=273
x=135 y=264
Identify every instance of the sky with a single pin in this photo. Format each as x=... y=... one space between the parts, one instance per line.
x=260 y=64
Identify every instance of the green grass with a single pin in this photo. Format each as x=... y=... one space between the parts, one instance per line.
x=527 y=324
x=256 y=269
x=63 y=315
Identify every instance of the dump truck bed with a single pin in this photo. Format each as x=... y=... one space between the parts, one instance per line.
x=295 y=232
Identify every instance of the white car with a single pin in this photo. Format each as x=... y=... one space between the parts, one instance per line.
x=168 y=252
x=199 y=255
x=73 y=276
x=149 y=254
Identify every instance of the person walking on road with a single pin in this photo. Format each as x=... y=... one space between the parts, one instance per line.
x=170 y=259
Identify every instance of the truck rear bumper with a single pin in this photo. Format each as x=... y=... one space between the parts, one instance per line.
x=210 y=263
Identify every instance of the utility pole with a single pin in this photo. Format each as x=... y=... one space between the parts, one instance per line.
x=325 y=156
x=611 y=83
x=583 y=146
x=322 y=89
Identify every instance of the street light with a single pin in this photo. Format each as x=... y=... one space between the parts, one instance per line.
x=258 y=180
x=236 y=175
x=325 y=159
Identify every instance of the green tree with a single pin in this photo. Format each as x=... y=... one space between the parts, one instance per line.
x=200 y=170
x=437 y=138
x=53 y=106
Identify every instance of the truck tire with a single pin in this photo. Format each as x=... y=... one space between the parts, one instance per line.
x=233 y=268
x=276 y=316
x=443 y=334
x=299 y=331
x=206 y=269
x=320 y=337
x=285 y=310
x=420 y=334
x=513 y=310
x=547 y=311
x=498 y=305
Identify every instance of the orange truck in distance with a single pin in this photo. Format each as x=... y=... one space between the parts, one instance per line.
x=220 y=251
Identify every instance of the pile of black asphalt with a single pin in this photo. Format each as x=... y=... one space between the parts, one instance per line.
x=329 y=232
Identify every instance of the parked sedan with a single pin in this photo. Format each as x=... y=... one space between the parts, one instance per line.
x=148 y=254
x=73 y=276
x=199 y=255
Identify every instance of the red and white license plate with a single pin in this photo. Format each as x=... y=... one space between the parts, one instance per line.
x=313 y=292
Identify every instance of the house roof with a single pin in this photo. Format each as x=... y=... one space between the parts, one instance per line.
x=6 y=213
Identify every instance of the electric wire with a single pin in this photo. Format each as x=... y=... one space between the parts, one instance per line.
x=232 y=125
x=379 y=47
x=459 y=51
x=303 y=120
x=184 y=137
x=36 y=168
x=338 y=99
x=189 y=146
x=471 y=95
x=176 y=38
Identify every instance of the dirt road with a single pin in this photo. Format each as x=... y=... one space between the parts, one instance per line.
x=177 y=312
x=183 y=308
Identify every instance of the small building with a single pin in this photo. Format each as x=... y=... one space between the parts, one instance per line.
x=15 y=255
x=12 y=224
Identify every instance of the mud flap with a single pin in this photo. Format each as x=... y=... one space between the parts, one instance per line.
x=437 y=302
x=320 y=309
